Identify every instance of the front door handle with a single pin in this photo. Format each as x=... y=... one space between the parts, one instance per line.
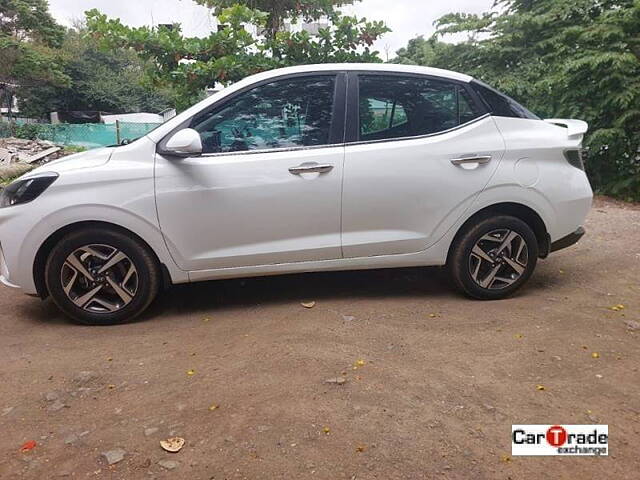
x=479 y=159
x=311 y=168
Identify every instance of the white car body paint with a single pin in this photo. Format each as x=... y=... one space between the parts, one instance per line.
x=561 y=196
x=384 y=204
x=402 y=196
x=242 y=210
x=108 y=185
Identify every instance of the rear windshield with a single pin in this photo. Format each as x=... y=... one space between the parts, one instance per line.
x=499 y=104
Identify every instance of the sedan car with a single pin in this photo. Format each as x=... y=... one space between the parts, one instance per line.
x=310 y=168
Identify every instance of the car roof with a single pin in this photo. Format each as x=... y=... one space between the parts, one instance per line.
x=376 y=67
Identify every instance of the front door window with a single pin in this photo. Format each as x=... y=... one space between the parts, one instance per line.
x=289 y=113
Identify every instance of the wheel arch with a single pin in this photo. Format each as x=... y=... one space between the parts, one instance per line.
x=45 y=248
x=514 y=209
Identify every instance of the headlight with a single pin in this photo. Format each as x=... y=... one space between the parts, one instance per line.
x=26 y=189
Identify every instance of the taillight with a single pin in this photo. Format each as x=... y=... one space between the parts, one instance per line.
x=576 y=157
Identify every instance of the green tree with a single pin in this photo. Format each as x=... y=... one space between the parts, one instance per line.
x=30 y=19
x=561 y=58
x=421 y=51
x=98 y=80
x=29 y=41
x=279 y=10
x=188 y=65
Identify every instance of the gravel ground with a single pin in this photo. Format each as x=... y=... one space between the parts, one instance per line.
x=433 y=380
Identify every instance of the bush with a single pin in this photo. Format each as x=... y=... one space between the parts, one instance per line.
x=6 y=130
x=29 y=131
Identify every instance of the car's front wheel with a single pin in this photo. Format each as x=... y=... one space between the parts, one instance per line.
x=100 y=276
x=494 y=257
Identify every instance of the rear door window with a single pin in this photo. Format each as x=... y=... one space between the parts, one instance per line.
x=394 y=106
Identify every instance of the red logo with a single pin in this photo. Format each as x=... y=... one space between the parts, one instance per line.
x=556 y=436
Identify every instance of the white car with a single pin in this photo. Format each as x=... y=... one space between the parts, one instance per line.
x=310 y=168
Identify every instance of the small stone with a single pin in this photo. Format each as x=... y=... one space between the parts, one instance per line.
x=348 y=318
x=168 y=464
x=71 y=439
x=56 y=406
x=632 y=325
x=336 y=381
x=51 y=396
x=7 y=411
x=84 y=377
x=114 y=456
x=150 y=431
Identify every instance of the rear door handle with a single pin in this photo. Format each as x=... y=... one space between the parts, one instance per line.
x=311 y=168
x=479 y=159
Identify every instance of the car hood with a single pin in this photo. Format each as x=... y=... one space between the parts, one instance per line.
x=88 y=159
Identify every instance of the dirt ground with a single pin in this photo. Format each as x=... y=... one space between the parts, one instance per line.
x=443 y=378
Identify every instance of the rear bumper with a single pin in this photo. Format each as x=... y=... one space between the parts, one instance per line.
x=567 y=241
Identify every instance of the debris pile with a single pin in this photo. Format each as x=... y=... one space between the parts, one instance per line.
x=18 y=156
x=14 y=150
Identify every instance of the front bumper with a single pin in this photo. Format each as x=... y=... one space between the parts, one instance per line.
x=567 y=241
x=4 y=271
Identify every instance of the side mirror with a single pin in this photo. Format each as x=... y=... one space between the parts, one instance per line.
x=184 y=143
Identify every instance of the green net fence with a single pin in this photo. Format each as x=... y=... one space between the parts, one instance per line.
x=87 y=135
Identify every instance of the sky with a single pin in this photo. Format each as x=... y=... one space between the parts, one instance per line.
x=406 y=18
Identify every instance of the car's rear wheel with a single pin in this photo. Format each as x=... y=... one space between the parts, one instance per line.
x=494 y=257
x=101 y=276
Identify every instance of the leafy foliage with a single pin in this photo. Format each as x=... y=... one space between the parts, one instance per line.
x=279 y=10
x=99 y=80
x=29 y=38
x=189 y=65
x=29 y=131
x=50 y=68
x=30 y=19
x=561 y=58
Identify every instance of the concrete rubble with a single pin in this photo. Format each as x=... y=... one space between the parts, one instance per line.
x=18 y=155
x=13 y=150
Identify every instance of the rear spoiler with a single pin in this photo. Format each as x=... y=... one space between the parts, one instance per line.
x=575 y=128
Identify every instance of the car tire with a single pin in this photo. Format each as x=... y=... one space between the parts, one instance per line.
x=493 y=258
x=102 y=276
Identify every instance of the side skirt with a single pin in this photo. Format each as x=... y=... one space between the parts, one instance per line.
x=367 y=263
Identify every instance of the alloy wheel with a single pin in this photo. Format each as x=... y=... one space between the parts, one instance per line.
x=498 y=259
x=99 y=278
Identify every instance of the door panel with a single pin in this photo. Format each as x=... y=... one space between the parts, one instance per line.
x=243 y=210
x=267 y=189
x=400 y=196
